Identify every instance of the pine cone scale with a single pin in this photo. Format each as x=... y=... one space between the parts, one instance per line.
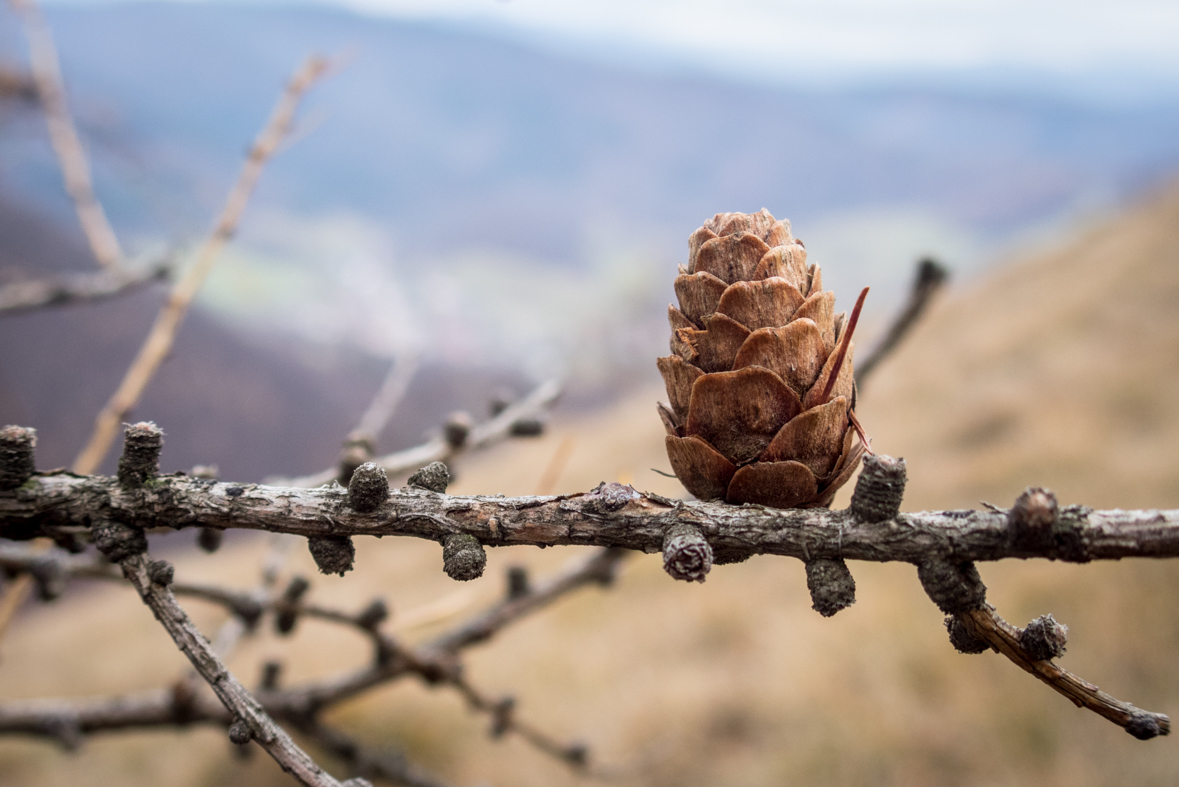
x=777 y=484
x=740 y=412
x=699 y=294
x=760 y=387
x=731 y=258
x=700 y=467
x=760 y=304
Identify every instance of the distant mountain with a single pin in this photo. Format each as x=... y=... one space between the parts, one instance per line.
x=455 y=139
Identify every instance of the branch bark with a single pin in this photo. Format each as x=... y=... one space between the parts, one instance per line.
x=610 y=516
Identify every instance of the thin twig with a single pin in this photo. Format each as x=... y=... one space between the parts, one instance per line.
x=556 y=466
x=436 y=662
x=599 y=568
x=439 y=449
x=388 y=397
x=931 y=276
x=159 y=340
x=75 y=169
x=25 y=296
x=388 y=764
x=985 y=624
x=229 y=690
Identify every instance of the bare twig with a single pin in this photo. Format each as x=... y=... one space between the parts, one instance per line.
x=24 y=296
x=75 y=169
x=556 y=466
x=232 y=694
x=159 y=340
x=435 y=662
x=359 y=444
x=931 y=276
x=985 y=624
x=617 y=516
x=439 y=449
x=389 y=765
x=599 y=568
x=388 y=397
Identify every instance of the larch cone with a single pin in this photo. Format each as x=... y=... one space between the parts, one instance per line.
x=760 y=379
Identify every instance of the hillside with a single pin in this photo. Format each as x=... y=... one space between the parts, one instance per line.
x=1058 y=370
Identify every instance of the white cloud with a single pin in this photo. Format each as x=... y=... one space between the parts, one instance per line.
x=805 y=35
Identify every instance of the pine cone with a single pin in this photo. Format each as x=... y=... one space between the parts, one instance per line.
x=755 y=415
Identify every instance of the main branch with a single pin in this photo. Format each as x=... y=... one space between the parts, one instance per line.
x=611 y=515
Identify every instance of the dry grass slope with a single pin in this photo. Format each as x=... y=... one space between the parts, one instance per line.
x=1060 y=371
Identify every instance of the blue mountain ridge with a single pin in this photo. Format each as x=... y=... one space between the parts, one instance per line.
x=445 y=135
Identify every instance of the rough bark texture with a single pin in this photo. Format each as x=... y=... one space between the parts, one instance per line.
x=620 y=517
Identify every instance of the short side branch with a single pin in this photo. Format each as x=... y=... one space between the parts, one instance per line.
x=985 y=624
x=931 y=276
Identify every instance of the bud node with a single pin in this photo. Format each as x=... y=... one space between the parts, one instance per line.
x=16 y=456
x=686 y=553
x=880 y=489
x=434 y=477
x=954 y=587
x=831 y=585
x=368 y=488
x=463 y=557
x=141 y=453
x=333 y=554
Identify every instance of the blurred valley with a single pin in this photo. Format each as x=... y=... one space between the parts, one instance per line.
x=1056 y=369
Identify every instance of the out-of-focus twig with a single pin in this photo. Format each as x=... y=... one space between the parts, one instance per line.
x=931 y=276
x=598 y=568
x=25 y=296
x=436 y=662
x=442 y=449
x=388 y=397
x=360 y=443
x=556 y=466
x=364 y=762
x=159 y=340
x=75 y=169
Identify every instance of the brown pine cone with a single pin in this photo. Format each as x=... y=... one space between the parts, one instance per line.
x=759 y=412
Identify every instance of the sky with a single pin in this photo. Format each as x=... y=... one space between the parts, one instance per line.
x=1133 y=41
x=1108 y=46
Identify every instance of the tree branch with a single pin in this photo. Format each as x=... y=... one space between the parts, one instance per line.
x=985 y=625
x=75 y=169
x=25 y=296
x=436 y=662
x=447 y=446
x=611 y=515
x=931 y=277
x=232 y=694
x=692 y=537
x=159 y=340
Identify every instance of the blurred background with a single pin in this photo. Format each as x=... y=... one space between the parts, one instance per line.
x=504 y=189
